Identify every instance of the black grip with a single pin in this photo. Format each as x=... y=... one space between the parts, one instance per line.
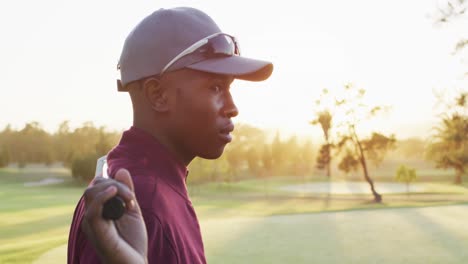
x=114 y=208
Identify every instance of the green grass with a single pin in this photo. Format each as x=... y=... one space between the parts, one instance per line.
x=34 y=220
x=251 y=221
x=417 y=236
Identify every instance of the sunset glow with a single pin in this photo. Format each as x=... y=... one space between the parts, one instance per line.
x=59 y=60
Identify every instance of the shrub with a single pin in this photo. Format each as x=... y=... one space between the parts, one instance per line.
x=84 y=168
x=4 y=158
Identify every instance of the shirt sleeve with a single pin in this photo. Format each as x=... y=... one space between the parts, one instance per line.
x=160 y=248
x=79 y=248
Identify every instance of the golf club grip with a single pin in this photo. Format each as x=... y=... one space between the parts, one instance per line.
x=114 y=208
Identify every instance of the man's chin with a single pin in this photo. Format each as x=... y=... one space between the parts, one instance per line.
x=212 y=154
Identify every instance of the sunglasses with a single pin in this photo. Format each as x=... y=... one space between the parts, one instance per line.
x=216 y=45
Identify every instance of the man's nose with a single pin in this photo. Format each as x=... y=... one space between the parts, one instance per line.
x=230 y=109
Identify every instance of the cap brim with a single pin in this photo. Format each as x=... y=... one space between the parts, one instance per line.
x=239 y=67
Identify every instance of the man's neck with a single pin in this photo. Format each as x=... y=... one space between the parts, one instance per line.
x=162 y=137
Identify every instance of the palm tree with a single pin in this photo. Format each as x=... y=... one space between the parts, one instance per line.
x=449 y=148
x=324 y=119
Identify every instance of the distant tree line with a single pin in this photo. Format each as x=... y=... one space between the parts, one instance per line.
x=251 y=154
x=255 y=153
x=77 y=149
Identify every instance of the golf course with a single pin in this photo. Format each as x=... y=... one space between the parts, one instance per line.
x=282 y=132
x=277 y=220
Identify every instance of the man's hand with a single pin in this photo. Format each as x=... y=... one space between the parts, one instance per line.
x=120 y=241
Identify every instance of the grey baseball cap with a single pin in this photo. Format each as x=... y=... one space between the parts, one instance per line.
x=164 y=34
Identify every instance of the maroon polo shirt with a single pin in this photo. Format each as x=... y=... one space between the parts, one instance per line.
x=160 y=187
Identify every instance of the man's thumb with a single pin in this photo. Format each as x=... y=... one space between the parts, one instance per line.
x=124 y=177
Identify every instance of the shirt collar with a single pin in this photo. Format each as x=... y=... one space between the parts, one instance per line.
x=147 y=152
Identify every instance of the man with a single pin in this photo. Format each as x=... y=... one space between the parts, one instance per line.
x=177 y=66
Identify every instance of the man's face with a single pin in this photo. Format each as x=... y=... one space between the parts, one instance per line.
x=201 y=109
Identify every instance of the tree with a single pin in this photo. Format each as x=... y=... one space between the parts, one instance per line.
x=278 y=155
x=358 y=150
x=88 y=144
x=267 y=160
x=411 y=148
x=253 y=160
x=453 y=10
x=6 y=138
x=84 y=168
x=306 y=158
x=323 y=160
x=292 y=155
x=449 y=144
x=4 y=157
x=105 y=142
x=32 y=144
x=203 y=170
x=406 y=175
x=376 y=147
x=448 y=147
x=245 y=139
x=324 y=118
x=62 y=144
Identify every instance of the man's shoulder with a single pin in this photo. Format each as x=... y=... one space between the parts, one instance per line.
x=153 y=194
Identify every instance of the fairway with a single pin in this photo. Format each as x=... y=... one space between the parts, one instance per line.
x=255 y=222
x=343 y=187
x=408 y=235
x=352 y=188
x=34 y=219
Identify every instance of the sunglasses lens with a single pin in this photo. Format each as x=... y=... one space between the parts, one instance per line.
x=220 y=45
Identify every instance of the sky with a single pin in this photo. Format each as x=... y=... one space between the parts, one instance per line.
x=58 y=59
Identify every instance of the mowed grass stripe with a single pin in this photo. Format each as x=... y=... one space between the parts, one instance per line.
x=35 y=238
x=18 y=231
x=28 y=248
x=35 y=219
x=34 y=215
x=381 y=236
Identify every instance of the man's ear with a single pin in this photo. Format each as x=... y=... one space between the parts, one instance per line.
x=156 y=94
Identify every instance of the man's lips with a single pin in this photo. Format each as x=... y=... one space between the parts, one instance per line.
x=224 y=133
x=227 y=129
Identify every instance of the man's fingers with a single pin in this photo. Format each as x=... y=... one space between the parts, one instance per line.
x=94 y=208
x=100 y=184
x=124 y=177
